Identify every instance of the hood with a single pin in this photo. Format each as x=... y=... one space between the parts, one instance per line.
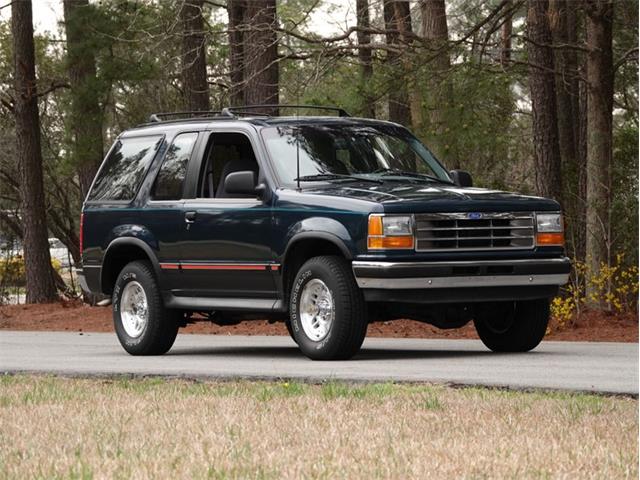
x=434 y=197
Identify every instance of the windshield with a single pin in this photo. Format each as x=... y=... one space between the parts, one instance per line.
x=338 y=152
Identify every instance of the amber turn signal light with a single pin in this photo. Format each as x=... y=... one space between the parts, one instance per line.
x=404 y=241
x=375 y=225
x=547 y=239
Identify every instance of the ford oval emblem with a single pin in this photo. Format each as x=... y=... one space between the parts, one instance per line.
x=474 y=215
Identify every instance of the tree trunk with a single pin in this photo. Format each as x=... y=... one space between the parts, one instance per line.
x=600 y=77
x=85 y=117
x=564 y=32
x=396 y=12
x=506 y=31
x=581 y=149
x=194 y=62
x=364 y=56
x=40 y=284
x=236 y=10
x=436 y=32
x=543 y=102
x=563 y=28
x=403 y=15
x=261 y=54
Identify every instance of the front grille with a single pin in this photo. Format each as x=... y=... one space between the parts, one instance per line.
x=441 y=232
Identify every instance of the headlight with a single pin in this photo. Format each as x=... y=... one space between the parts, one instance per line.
x=549 y=222
x=549 y=229
x=390 y=232
x=396 y=225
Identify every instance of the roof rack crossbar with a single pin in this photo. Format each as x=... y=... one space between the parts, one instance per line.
x=158 y=117
x=230 y=110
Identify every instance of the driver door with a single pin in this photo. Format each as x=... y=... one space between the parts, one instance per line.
x=227 y=251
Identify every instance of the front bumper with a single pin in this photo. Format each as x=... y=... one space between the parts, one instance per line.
x=472 y=281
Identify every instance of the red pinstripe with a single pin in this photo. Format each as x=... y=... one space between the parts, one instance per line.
x=218 y=266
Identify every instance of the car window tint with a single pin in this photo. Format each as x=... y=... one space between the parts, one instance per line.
x=170 y=178
x=124 y=169
x=347 y=150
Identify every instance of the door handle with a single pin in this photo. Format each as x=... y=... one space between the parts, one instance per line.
x=190 y=217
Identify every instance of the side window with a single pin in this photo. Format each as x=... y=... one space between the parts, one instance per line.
x=168 y=185
x=227 y=153
x=124 y=168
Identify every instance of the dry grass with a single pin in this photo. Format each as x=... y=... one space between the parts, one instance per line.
x=121 y=428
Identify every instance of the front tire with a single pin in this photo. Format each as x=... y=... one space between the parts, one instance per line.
x=287 y=324
x=512 y=326
x=327 y=310
x=142 y=323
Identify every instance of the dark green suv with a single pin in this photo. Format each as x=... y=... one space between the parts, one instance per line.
x=325 y=222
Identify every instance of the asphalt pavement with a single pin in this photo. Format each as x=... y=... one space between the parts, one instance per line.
x=579 y=366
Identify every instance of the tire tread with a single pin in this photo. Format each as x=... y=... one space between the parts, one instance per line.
x=349 y=334
x=163 y=331
x=526 y=333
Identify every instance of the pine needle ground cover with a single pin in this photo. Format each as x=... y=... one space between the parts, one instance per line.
x=157 y=428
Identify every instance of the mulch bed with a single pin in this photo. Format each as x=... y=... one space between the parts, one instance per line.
x=592 y=326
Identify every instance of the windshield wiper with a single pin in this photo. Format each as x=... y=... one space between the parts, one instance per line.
x=405 y=173
x=336 y=176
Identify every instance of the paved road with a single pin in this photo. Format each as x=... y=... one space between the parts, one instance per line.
x=601 y=367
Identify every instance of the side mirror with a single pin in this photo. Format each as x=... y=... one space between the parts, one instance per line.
x=461 y=178
x=241 y=183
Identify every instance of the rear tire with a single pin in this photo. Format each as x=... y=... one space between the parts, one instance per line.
x=512 y=326
x=143 y=325
x=327 y=310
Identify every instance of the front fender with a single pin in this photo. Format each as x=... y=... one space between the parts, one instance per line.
x=322 y=228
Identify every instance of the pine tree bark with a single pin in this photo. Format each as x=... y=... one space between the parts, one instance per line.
x=261 y=54
x=397 y=16
x=236 y=10
x=506 y=30
x=402 y=12
x=564 y=32
x=194 y=62
x=39 y=279
x=548 y=180
x=365 y=58
x=436 y=32
x=563 y=24
x=600 y=78
x=86 y=117
x=581 y=149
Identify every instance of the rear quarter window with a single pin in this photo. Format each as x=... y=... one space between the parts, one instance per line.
x=170 y=179
x=125 y=167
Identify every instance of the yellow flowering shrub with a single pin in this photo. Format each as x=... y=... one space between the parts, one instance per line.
x=614 y=288
x=562 y=310
x=12 y=270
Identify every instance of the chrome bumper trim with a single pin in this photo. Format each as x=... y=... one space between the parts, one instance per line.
x=460 y=263
x=429 y=283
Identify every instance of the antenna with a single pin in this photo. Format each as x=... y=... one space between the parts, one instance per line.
x=298 y=157
x=298 y=133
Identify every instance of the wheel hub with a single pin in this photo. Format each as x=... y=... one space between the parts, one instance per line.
x=134 y=309
x=317 y=310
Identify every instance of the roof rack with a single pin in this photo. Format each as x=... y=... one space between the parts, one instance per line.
x=233 y=112
x=247 y=108
x=158 y=117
